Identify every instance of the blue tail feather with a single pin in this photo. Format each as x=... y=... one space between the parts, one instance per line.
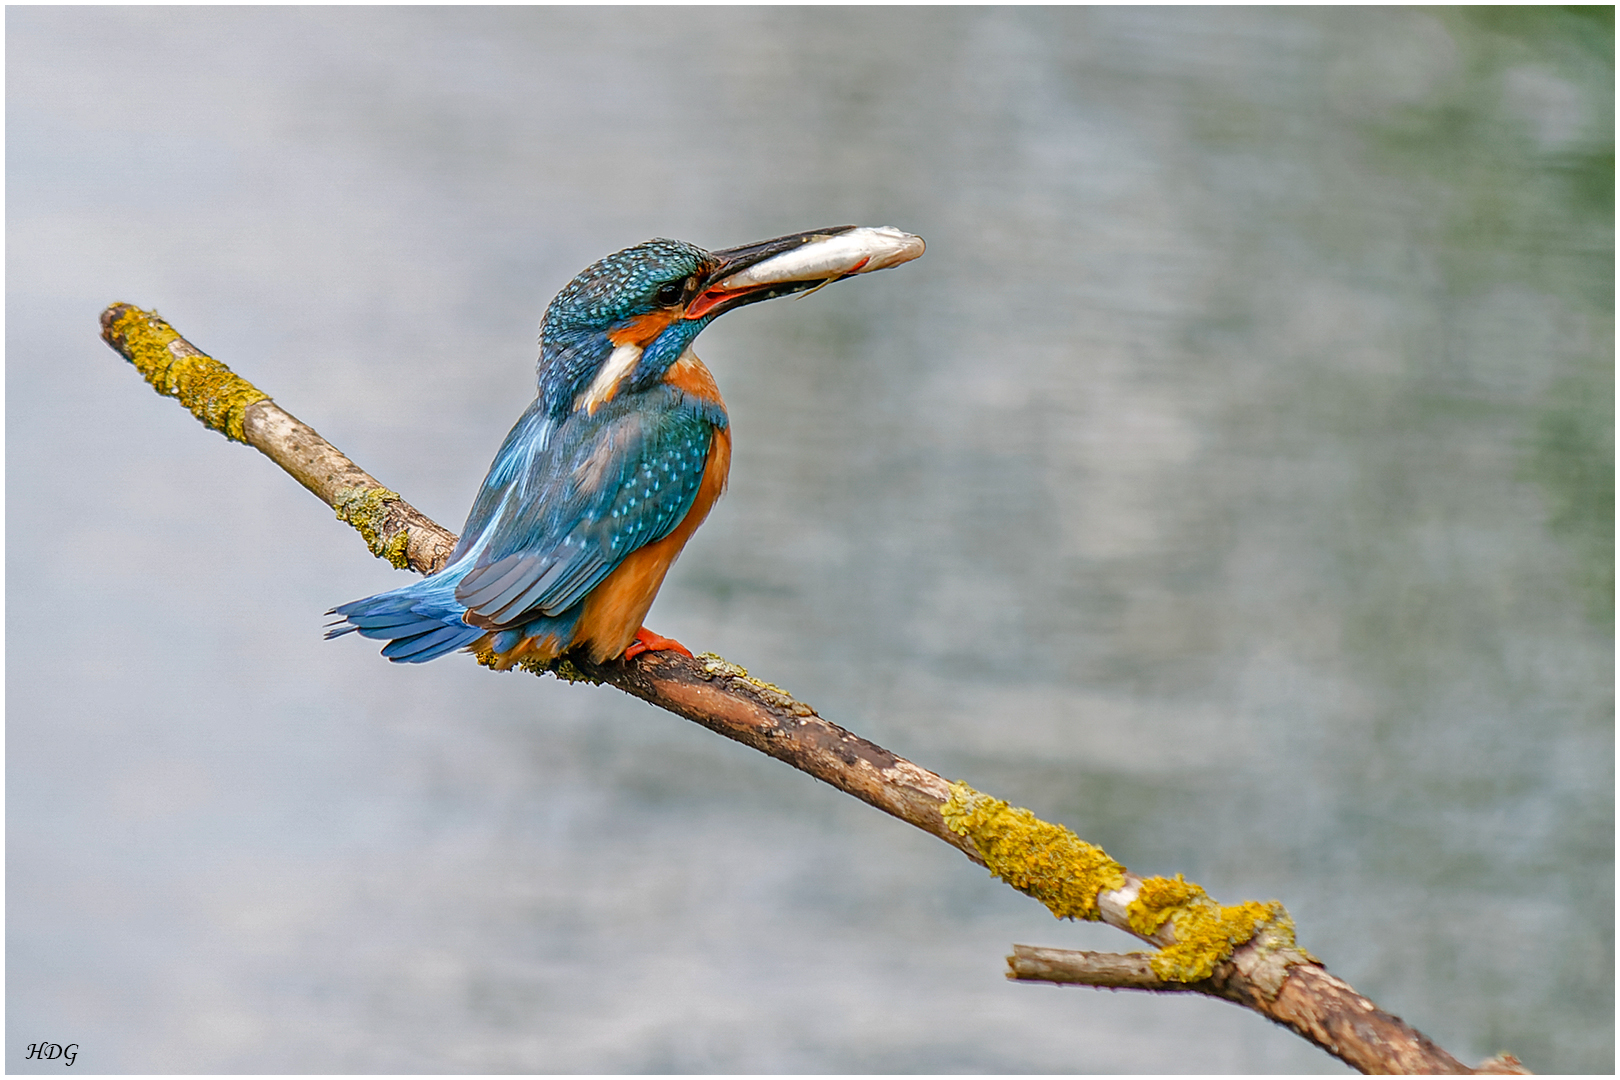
x=505 y=641
x=421 y=621
x=396 y=626
x=420 y=648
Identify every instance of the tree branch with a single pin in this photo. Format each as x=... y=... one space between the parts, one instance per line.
x=1244 y=953
x=1310 y=1002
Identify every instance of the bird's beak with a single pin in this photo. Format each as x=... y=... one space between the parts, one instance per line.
x=791 y=264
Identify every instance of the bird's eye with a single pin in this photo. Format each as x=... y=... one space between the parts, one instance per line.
x=669 y=292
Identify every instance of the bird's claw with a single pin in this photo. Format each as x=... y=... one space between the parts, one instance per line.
x=647 y=641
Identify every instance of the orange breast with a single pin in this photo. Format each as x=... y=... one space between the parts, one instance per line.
x=689 y=374
x=642 y=329
x=614 y=610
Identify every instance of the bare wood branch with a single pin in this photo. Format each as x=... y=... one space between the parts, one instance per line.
x=1311 y=1002
x=1113 y=971
x=1243 y=954
x=725 y=699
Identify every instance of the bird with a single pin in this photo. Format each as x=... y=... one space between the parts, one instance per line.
x=616 y=462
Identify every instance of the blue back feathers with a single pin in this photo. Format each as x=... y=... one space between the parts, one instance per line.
x=605 y=485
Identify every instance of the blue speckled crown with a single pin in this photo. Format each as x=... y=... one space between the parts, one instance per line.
x=619 y=286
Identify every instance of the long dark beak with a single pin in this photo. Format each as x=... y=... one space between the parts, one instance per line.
x=790 y=264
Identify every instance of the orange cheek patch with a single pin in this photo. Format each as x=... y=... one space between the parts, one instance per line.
x=642 y=329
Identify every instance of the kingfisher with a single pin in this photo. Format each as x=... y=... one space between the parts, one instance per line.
x=615 y=464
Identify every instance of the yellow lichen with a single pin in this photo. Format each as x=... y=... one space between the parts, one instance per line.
x=364 y=508
x=213 y=392
x=1157 y=900
x=1205 y=932
x=563 y=668
x=1035 y=857
x=716 y=666
x=1067 y=874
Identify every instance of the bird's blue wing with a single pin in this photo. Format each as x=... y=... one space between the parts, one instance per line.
x=558 y=518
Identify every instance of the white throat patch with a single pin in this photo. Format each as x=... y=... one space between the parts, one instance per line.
x=619 y=364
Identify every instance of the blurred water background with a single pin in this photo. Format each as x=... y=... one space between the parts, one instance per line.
x=1232 y=481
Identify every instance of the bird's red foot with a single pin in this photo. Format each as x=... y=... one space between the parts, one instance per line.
x=647 y=641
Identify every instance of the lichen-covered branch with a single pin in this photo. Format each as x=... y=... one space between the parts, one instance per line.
x=224 y=401
x=1307 y=1000
x=1243 y=953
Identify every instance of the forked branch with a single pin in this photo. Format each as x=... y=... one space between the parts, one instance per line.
x=1243 y=953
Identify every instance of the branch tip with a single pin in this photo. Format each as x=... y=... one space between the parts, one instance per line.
x=175 y=368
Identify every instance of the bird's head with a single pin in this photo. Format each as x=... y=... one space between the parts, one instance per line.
x=623 y=321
